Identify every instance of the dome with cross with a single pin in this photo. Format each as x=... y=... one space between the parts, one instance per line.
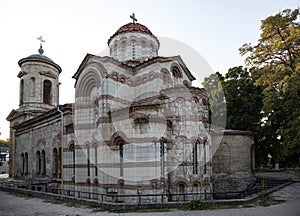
x=133 y=42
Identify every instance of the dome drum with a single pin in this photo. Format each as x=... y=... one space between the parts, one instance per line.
x=133 y=42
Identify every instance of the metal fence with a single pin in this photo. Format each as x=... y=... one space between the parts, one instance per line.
x=115 y=197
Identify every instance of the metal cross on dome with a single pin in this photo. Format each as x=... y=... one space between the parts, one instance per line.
x=40 y=38
x=132 y=16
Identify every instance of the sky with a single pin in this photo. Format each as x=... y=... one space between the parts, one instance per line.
x=213 y=29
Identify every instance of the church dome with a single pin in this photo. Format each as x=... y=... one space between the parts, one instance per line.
x=132 y=27
x=133 y=42
x=39 y=56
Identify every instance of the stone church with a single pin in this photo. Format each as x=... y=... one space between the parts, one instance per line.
x=137 y=126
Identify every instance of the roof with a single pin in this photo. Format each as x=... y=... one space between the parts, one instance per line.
x=40 y=58
x=178 y=59
x=133 y=27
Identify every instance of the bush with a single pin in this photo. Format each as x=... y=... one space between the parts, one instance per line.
x=194 y=205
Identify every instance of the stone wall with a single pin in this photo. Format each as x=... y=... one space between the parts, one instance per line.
x=233 y=161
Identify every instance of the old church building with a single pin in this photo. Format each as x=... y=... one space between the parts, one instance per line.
x=137 y=126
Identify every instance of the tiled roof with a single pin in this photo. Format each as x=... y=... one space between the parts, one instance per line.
x=132 y=27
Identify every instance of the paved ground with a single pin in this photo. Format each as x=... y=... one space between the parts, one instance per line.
x=22 y=206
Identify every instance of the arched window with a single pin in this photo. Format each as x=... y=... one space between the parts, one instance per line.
x=119 y=144
x=205 y=156
x=123 y=44
x=165 y=77
x=72 y=148
x=55 y=163
x=47 y=94
x=181 y=191
x=151 y=50
x=59 y=157
x=162 y=158
x=116 y=51
x=21 y=92
x=88 y=162
x=143 y=43
x=32 y=87
x=176 y=72
x=23 y=164
x=26 y=163
x=121 y=149
x=38 y=162
x=96 y=160
x=195 y=158
x=181 y=188
x=43 y=162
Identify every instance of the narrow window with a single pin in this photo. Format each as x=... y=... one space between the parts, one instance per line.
x=23 y=164
x=74 y=161
x=55 y=163
x=96 y=161
x=195 y=158
x=88 y=162
x=121 y=146
x=72 y=148
x=32 y=87
x=21 y=92
x=152 y=50
x=59 y=157
x=204 y=149
x=38 y=162
x=47 y=92
x=43 y=164
x=116 y=51
x=26 y=163
x=162 y=155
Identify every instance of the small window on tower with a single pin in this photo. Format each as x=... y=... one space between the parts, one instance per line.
x=32 y=86
x=116 y=51
x=47 y=92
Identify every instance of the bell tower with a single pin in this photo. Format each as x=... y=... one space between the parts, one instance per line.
x=39 y=83
x=39 y=92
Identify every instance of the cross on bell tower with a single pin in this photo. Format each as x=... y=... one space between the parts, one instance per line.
x=132 y=16
x=41 y=51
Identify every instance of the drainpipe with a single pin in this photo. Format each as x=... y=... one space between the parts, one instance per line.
x=62 y=149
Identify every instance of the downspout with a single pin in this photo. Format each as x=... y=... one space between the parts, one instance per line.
x=62 y=149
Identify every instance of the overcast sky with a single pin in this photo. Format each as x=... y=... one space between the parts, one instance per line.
x=215 y=29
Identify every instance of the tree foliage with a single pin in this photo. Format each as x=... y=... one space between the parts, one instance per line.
x=277 y=54
x=4 y=143
x=243 y=99
x=279 y=42
x=217 y=103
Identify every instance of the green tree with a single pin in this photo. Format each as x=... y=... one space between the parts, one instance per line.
x=277 y=54
x=243 y=99
x=4 y=143
x=217 y=104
